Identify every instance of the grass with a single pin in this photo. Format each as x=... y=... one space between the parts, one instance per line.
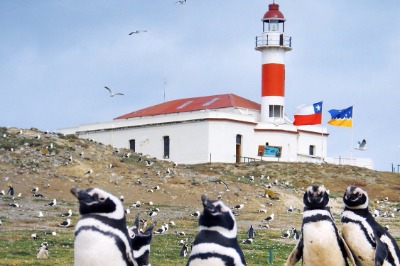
x=17 y=248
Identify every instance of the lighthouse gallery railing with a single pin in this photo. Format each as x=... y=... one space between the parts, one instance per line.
x=273 y=40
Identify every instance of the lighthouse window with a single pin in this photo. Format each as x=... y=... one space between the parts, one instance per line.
x=274 y=26
x=275 y=110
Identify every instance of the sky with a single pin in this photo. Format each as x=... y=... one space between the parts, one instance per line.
x=56 y=56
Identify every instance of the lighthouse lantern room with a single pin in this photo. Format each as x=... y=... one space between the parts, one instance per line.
x=273 y=43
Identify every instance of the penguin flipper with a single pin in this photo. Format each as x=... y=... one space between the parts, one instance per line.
x=381 y=252
x=296 y=253
x=348 y=251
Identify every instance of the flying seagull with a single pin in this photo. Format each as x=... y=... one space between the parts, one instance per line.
x=181 y=2
x=137 y=31
x=113 y=94
x=361 y=145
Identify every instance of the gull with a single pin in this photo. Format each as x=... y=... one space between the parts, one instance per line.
x=181 y=2
x=137 y=31
x=361 y=145
x=67 y=214
x=113 y=94
x=66 y=223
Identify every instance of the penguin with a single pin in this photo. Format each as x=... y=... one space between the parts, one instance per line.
x=141 y=242
x=184 y=250
x=101 y=234
x=370 y=243
x=43 y=251
x=320 y=243
x=216 y=242
x=250 y=232
x=10 y=190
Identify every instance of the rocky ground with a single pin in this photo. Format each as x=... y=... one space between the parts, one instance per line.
x=55 y=163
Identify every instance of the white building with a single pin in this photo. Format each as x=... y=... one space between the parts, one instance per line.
x=221 y=128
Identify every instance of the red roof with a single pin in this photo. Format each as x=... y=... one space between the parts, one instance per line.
x=273 y=13
x=194 y=104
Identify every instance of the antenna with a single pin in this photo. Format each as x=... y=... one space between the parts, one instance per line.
x=165 y=86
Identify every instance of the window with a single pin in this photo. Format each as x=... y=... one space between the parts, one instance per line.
x=276 y=111
x=312 y=150
x=274 y=25
x=166 y=147
x=132 y=145
x=238 y=139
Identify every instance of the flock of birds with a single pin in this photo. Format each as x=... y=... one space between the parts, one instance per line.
x=135 y=32
x=142 y=229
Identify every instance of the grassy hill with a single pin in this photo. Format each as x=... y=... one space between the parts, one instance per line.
x=55 y=163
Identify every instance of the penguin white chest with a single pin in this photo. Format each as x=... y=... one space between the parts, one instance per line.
x=358 y=244
x=94 y=248
x=321 y=245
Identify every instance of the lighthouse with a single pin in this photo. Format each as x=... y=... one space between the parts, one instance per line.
x=273 y=44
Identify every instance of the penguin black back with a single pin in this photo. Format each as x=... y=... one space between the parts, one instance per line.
x=101 y=235
x=370 y=243
x=216 y=241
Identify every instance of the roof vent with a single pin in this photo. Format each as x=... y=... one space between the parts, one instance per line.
x=210 y=102
x=184 y=105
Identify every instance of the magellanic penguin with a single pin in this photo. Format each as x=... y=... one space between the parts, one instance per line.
x=141 y=242
x=43 y=251
x=319 y=244
x=101 y=235
x=216 y=243
x=370 y=243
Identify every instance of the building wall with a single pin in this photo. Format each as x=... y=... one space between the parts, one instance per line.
x=207 y=135
x=222 y=140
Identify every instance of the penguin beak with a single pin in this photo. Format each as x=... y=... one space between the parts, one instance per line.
x=81 y=195
x=207 y=204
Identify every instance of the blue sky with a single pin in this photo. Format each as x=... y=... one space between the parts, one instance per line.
x=57 y=56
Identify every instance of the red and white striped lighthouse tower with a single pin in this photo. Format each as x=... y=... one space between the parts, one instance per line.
x=273 y=44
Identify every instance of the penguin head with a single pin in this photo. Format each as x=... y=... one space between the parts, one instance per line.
x=99 y=202
x=216 y=215
x=355 y=198
x=141 y=241
x=316 y=197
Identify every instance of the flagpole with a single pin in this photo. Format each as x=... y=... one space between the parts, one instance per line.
x=352 y=136
x=322 y=137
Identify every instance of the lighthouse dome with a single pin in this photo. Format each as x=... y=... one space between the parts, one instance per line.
x=273 y=13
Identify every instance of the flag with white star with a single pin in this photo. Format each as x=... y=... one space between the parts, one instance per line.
x=308 y=114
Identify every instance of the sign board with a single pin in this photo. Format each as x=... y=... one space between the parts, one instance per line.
x=269 y=151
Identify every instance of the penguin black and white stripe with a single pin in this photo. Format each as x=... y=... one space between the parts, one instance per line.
x=320 y=243
x=216 y=243
x=141 y=243
x=101 y=235
x=370 y=243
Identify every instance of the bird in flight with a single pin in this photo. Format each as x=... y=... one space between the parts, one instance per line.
x=181 y=2
x=137 y=31
x=361 y=145
x=113 y=94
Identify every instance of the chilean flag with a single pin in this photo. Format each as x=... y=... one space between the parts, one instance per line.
x=307 y=114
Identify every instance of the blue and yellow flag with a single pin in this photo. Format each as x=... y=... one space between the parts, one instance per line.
x=341 y=118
